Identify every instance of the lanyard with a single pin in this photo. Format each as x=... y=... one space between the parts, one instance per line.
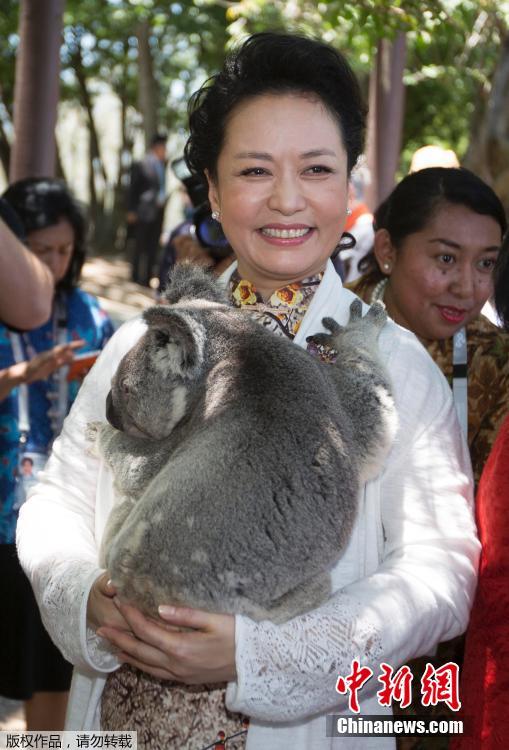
x=459 y=378
x=59 y=394
x=23 y=415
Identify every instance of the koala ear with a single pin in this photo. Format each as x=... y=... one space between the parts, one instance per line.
x=179 y=341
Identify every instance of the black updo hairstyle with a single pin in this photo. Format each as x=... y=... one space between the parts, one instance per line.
x=41 y=202
x=274 y=63
x=415 y=200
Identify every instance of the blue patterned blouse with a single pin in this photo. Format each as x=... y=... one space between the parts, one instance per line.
x=85 y=320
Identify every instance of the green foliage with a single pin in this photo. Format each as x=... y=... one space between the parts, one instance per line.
x=449 y=75
x=8 y=35
x=453 y=47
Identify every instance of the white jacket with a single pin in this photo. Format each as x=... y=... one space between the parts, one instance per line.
x=404 y=583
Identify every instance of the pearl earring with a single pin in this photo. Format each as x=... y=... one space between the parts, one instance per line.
x=386 y=266
x=216 y=215
x=348 y=211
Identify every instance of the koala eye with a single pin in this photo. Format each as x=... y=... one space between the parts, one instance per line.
x=162 y=338
x=124 y=387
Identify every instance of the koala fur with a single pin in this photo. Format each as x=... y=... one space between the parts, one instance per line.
x=238 y=457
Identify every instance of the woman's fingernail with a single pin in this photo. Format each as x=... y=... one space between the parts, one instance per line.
x=166 y=611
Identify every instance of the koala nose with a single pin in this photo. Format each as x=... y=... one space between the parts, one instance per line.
x=111 y=414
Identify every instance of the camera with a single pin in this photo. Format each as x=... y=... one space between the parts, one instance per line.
x=208 y=231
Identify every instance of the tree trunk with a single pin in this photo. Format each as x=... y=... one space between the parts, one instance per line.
x=36 y=89
x=488 y=152
x=148 y=93
x=96 y=166
x=60 y=171
x=86 y=101
x=385 y=122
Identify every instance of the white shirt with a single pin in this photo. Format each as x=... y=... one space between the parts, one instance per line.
x=405 y=582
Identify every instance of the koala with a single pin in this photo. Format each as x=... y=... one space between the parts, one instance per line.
x=237 y=456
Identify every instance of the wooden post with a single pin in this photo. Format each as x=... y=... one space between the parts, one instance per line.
x=385 y=122
x=36 y=89
x=148 y=93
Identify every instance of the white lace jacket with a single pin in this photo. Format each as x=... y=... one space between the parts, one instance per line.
x=404 y=583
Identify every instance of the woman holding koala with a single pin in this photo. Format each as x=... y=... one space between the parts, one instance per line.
x=276 y=134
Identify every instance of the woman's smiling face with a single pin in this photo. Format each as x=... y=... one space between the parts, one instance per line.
x=281 y=188
x=441 y=276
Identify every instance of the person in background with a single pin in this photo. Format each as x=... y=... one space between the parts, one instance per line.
x=437 y=238
x=359 y=223
x=485 y=676
x=276 y=133
x=145 y=208
x=198 y=239
x=26 y=285
x=433 y=156
x=35 y=396
x=437 y=156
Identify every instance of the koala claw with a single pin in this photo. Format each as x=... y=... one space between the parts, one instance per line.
x=355 y=310
x=377 y=314
x=331 y=325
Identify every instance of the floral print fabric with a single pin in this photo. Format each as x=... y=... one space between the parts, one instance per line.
x=169 y=714
x=284 y=311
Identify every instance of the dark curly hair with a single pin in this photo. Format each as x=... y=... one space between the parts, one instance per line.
x=274 y=63
x=415 y=199
x=41 y=202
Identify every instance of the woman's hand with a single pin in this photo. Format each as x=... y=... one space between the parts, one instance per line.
x=44 y=364
x=37 y=368
x=101 y=610
x=204 y=652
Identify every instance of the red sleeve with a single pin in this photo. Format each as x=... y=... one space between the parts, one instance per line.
x=485 y=677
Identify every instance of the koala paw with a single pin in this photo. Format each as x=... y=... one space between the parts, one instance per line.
x=374 y=318
x=367 y=327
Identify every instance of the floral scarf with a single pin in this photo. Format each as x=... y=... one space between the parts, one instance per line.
x=284 y=311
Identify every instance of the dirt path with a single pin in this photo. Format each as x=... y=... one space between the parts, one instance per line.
x=109 y=279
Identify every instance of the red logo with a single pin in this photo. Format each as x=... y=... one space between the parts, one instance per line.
x=438 y=685
x=352 y=683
